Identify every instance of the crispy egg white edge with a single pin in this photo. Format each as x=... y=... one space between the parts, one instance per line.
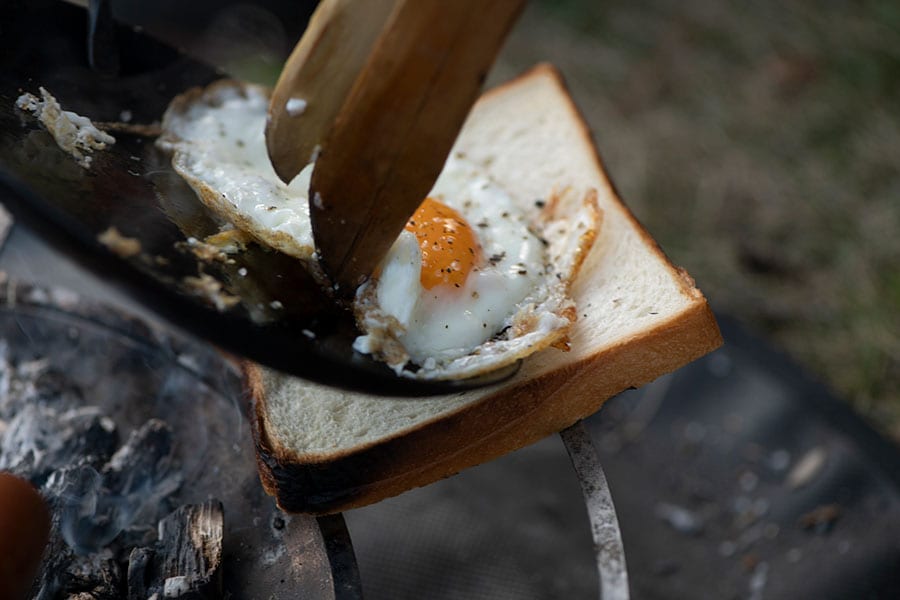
x=231 y=172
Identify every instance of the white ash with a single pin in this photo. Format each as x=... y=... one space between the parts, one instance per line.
x=176 y=586
x=41 y=439
x=30 y=382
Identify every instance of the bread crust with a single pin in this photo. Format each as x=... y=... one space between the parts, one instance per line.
x=494 y=425
x=502 y=420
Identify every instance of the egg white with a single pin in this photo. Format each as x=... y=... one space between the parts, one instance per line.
x=217 y=137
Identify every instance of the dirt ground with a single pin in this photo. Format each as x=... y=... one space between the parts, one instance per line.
x=758 y=142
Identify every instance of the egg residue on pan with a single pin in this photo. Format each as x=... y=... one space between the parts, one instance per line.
x=477 y=280
x=73 y=133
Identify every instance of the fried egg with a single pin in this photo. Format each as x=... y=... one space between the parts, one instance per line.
x=217 y=138
x=477 y=280
x=474 y=282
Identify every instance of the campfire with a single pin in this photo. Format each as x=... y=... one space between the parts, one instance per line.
x=116 y=522
x=136 y=440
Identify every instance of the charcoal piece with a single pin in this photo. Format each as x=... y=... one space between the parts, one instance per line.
x=90 y=516
x=58 y=555
x=40 y=440
x=147 y=455
x=52 y=386
x=144 y=472
x=140 y=573
x=126 y=495
x=52 y=579
x=186 y=561
x=191 y=542
x=98 y=575
x=86 y=437
x=66 y=575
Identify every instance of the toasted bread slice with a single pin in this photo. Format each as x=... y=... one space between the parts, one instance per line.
x=321 y=450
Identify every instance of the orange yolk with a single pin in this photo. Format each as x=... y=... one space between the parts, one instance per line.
x=449 y=247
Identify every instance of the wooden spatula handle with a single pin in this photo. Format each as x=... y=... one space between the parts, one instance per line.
x=393 y=133
x=317 y=77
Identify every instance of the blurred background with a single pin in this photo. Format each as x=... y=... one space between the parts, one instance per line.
x=758 y=142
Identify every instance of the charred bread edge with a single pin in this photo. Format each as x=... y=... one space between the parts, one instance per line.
x=503 y=420
x=486 y=429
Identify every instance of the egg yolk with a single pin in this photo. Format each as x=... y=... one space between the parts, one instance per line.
x=449 y=247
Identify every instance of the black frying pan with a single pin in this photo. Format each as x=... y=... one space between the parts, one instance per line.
x=283 y=320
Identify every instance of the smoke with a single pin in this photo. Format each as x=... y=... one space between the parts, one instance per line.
x=94 y=507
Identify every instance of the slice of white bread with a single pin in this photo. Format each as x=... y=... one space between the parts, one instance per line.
x=322 y=450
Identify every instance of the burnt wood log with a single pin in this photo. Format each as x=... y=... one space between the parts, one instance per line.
x=102 y=510
x=186 y=562
x=140 y=575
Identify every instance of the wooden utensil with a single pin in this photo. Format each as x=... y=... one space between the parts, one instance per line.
x=381 y=151
x=318 y=76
